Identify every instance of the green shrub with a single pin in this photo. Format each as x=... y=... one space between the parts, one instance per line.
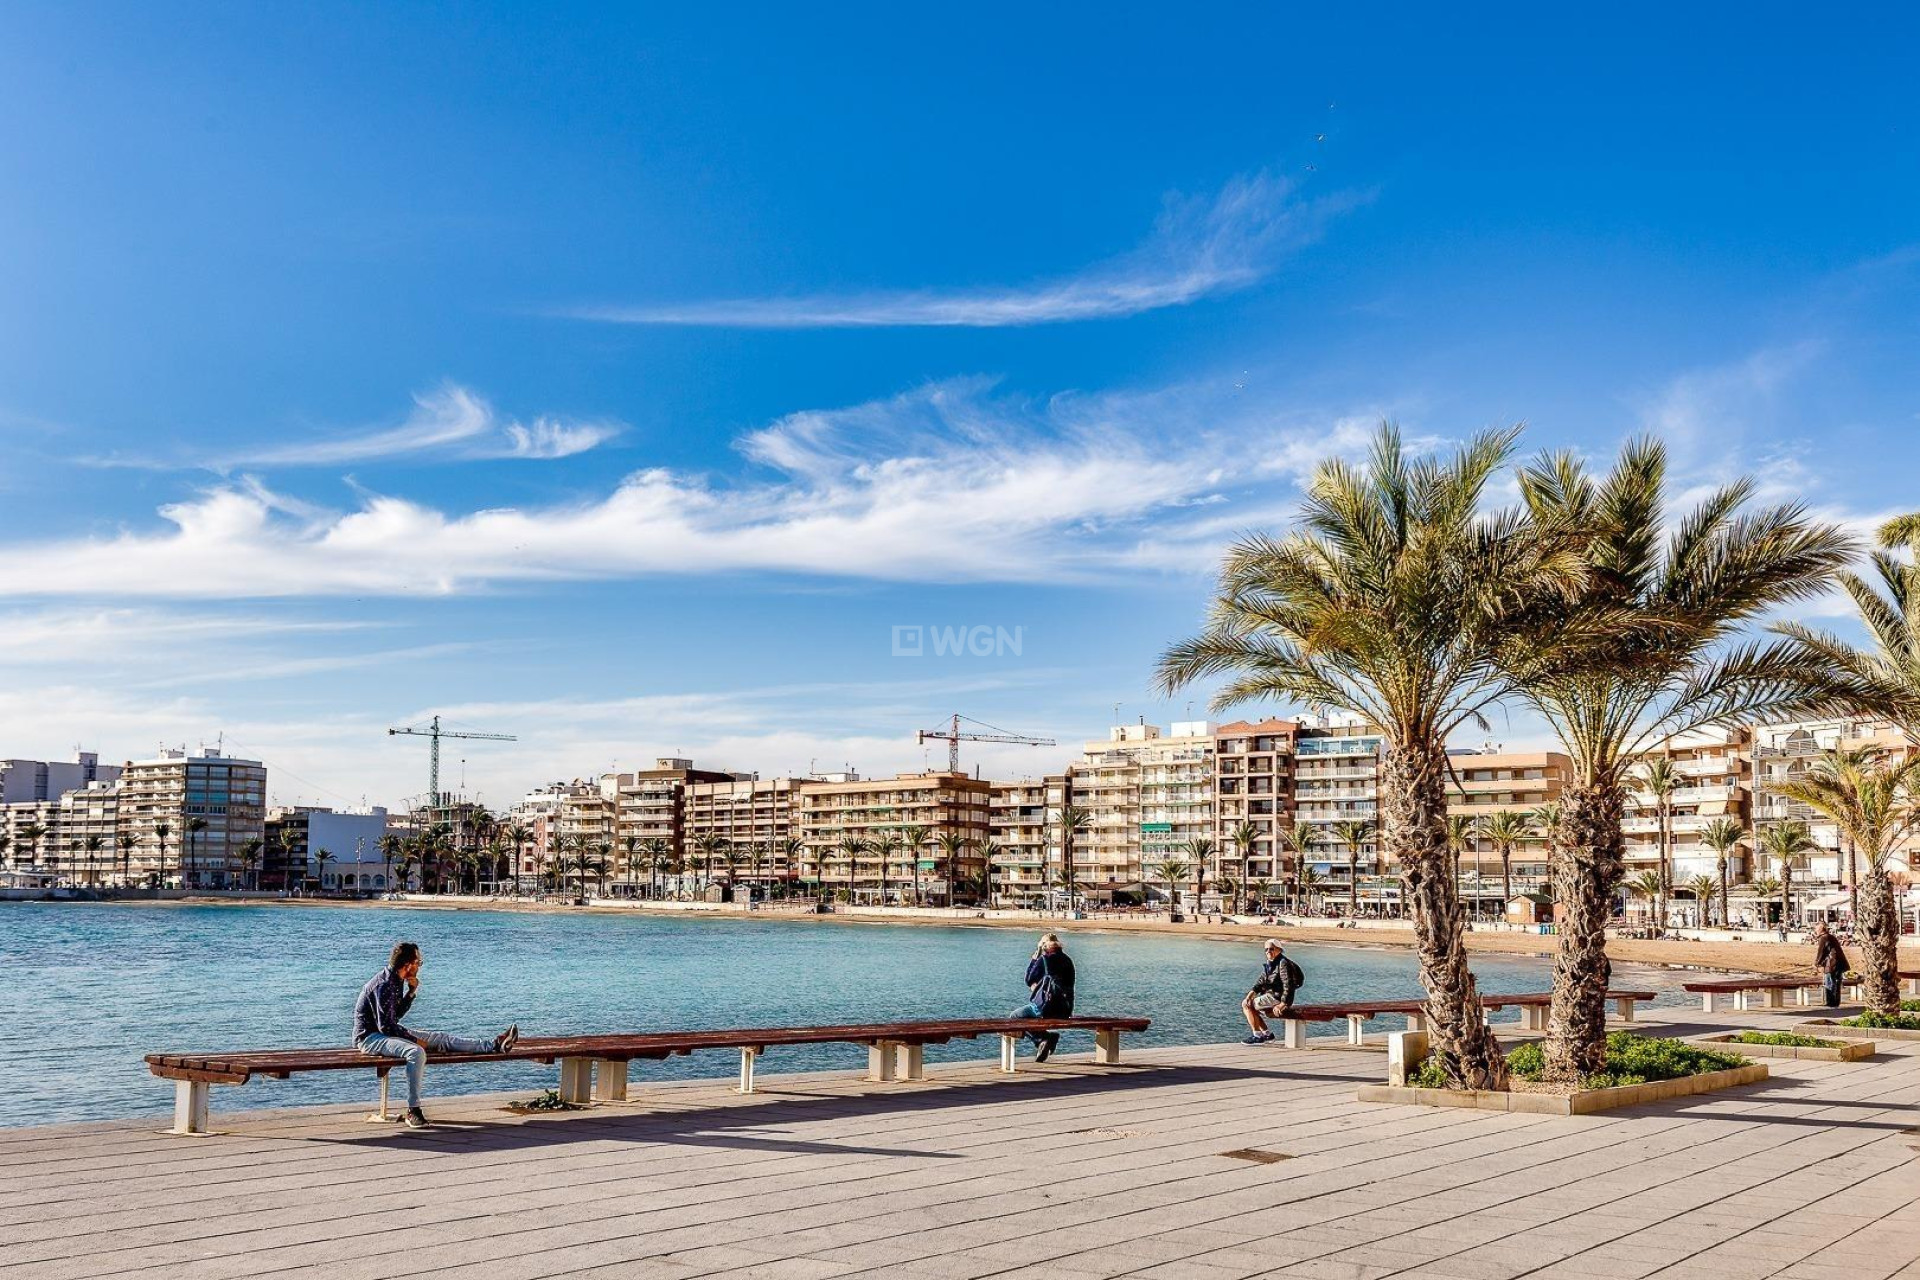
x=1631 y=1059
x=1428 y=1075
x=1885 y=1021
x=1528 y=1061
x=1911 y=1006
x=1792 y=1039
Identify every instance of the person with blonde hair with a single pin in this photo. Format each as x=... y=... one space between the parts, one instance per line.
x=1049 y=992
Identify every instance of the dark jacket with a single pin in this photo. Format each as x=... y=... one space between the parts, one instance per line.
x=1053 y=976
x=382 y=1003
x=1276 y=979
x=1828 y=957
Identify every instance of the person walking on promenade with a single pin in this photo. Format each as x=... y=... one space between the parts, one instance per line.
x=378 y=1032
x=1272 y=994
x=1831 y=961
x=1049 y=991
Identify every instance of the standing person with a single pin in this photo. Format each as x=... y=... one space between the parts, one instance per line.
x=1049 y=991
x=1830 y=960
x=1273 y=993
x=378 y=1033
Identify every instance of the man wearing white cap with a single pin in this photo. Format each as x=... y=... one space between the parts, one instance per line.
x=1273 y=994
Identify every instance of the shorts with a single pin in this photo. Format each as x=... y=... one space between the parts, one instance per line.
x=1266 y=1002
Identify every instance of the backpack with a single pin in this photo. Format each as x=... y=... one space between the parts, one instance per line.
x=1294 y=972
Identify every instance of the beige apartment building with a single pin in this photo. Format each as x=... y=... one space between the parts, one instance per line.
x=875 y=811
x=72 y=837
x=1254 y=791
x=1490 y=782
x=1148 y=797
x=1336 y=774
x=1023 y=823
x=1788 y=749
x=1716 y=781
x=754 y=816
x=649 y=806
x=181 y=791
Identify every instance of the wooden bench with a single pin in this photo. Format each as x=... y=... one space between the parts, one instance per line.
x=1533 y=1006
x=594 y=1068
x=1773 y=990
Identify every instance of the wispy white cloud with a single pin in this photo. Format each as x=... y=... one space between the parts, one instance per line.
x=1200 y=246
x=949 y=482
x=450 y=418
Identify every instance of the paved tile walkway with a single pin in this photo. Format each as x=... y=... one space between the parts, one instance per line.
x=1068 y=1171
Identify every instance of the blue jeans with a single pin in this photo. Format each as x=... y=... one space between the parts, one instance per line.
x=414 y=1053
x=1833 y=990
x=1033 y=1011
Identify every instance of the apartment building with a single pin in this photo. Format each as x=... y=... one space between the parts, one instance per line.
x=1336 y=780
x=1022 y=824
x=190 y=816
x=1254 y=792
x=1716 y=776
x=1148 y=796
x=25 y=781
x=875 y=811
x=754 y=816
x=1788 y=749
x=354 y=857
x=1490 y=781
x=648 y=806
x=71 y=837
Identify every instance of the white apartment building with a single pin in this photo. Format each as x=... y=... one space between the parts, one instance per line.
x=1148 y=796
x=190 y=816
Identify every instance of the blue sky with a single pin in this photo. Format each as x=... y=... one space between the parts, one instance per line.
x=621 y=380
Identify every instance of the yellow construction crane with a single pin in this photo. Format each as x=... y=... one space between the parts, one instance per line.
x=954 y=737
x=433 y=732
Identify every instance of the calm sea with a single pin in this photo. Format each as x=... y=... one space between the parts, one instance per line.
x=96 y=987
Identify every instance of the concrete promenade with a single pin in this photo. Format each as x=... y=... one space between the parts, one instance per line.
x=1066 y=1170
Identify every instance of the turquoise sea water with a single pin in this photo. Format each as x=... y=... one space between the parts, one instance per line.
x=96 y=987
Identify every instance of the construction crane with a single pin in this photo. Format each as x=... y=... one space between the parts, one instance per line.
x=434 y=733
x=954 y=737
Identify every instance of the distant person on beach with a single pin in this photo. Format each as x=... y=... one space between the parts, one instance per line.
x=1273 y=993
x=378 y=1033
x=1831 y=961
x=1049 y=991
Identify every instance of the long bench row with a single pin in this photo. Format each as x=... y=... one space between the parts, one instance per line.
x=594 y=1068
x=1533 y=1006
x=1773 y=990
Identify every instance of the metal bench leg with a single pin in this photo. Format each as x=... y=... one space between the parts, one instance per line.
x=381 y=1116
x=189 y=1107
x=1106 y=1047
x=1356 y=1029
x=1009 y=1053
x=610 y=1080
x=748 y=1057
x=576 y=1081
x=880 y=1060
x=1293 y=1033
x=910 y=1062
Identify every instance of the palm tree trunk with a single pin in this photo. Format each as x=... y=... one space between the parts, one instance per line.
x=1666 y=874
x=1353 y=880
x=1878 y=924
x=1506 y=880
x=1587 y=859
x=1413 y=804
x=1725 y=918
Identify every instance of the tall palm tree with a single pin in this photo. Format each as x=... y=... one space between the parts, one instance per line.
x=1659 y=779
x=1309 y=880
x=1649 y=886
x=127 y=841
x=792 y=851
x=1353 y=833
x=1648 y=650
x=913 y=843
x=1463 y=835
x=1073 y=821
x=1400 y=601
x=250 y=863
x=632 y=846
x=321 y=857
x=161 y=830
x=1886 y=678
x=1171 y=871
x=92 y=845
x=1298 y=840
x=1505 y=829
x=988 y=849
x=657 y=853
x=707 y=844
x=33 y=833
x=887 y=846
x=851 y=847
x=953 y=845
x=190 y=876
x=1201 y=851
x=1243 y=837
x=1874 y=800
x=1702 y=888
x=1723 y=836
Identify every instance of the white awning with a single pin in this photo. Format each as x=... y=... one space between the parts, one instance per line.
x=1831 y=901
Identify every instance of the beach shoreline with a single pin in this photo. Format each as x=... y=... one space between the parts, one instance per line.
x=1720 y=956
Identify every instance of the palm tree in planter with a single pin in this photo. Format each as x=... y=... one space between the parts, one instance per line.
x=1874 y=800
x=1073 y=823
x=913 y=845
x=1505 y=829
x=1646 y=886
x=1723 y=836
x=191 y=848
x=1354 y=833
x=1659 y=780
x=1243 y=837
x=1400 y=600
x=953 y=845
x=850 y=848
x=1171 y=872
x=1649 y=649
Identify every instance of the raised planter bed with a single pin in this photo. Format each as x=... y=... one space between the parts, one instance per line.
x=1853 y=1051
x=1829 y=1027
x=1583 y=1102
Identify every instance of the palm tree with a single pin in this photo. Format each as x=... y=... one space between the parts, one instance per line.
x=1886 y=678
x=1644 y=652
x=888 y=846
x=1256 y=894
x=287 y=841
x=191 y=874
x=913 y=843
x=792 y=850
x=1659 y=779
x=127 y=841
x=1723 y=836
x=1401 y=602
x=1463 y=835
x=953 y=844
x=33 y=833
x=1298 y=840
x=250 y=862
x=93 y=845
x=1702 y=888
x=321 y=858
x=161 y=830
x=1309 y=880
x=1073 y=820
x=707 y=844
x=851 y=847
x=1201 y=850
x=1505 y=829
x=1874 y=800
x=1243 y=837
x=1353 y=833
x=1171 y=872
x=632 y=846
x=658 y=852
x=988 y=849
x=1647 y=885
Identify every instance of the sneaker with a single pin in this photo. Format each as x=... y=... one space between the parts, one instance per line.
x=1258 y=1037
x=1045 y=1050
x=417 y=1119
x=504 y=1042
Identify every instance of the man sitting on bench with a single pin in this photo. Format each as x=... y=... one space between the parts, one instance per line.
x=377 y=1031
x=1273 y=994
